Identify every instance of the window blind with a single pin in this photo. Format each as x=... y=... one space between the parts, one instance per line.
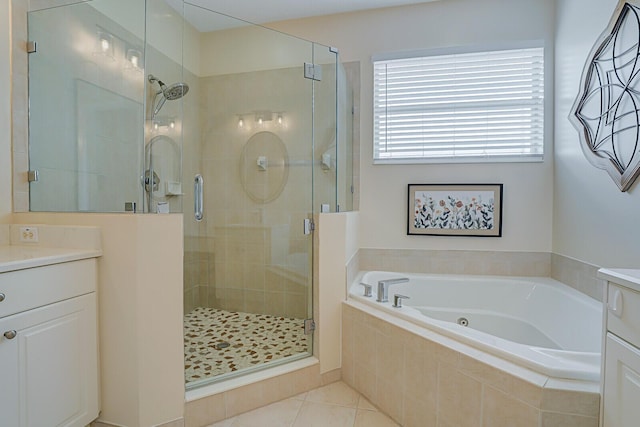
x=470 y=107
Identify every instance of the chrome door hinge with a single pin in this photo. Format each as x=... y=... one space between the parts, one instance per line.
x=309 y=326
x=312 y=71
x=309 y=226
x=32 y=47
x=33 y=176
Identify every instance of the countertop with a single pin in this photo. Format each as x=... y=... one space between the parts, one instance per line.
x=627 y=277
x=16 y=257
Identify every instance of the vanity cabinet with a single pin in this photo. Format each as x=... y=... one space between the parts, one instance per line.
x=621 y=373
x=48 y=345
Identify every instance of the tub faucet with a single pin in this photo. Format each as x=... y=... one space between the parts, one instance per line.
x=383 y=287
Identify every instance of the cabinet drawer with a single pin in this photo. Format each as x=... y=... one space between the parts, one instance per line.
x=36 y=287
x=623 y=313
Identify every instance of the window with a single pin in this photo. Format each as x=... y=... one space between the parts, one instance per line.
x=457 y=108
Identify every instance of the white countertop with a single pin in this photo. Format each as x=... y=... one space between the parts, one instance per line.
x=15 y=257
x=627 y=277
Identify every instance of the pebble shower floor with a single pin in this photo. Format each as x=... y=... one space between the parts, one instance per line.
x=252 y=339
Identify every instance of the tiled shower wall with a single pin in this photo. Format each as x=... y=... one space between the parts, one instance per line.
x=250 y=255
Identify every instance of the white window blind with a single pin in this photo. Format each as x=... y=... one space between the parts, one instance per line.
x=470 y=107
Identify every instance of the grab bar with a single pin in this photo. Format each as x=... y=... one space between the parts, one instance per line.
x=198 y=196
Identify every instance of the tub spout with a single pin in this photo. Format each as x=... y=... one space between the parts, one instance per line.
x=383 y=287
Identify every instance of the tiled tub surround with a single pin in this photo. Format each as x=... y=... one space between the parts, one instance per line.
x=253 y=340
x=535 y=322
x=420 y=378
x=577 y=274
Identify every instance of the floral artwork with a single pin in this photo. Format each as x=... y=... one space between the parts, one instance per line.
x=455 y=209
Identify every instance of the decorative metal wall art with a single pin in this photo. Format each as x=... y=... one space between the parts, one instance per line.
x=606 y=112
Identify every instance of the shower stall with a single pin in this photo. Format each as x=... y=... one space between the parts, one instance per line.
x=177 y=109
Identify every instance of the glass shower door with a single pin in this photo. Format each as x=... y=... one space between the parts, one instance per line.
x=248 y=262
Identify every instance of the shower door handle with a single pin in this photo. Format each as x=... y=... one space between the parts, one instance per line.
x=198 y=197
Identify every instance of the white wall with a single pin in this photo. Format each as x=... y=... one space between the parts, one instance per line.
x=528 y=187
x=5 y=111
x=593 y=220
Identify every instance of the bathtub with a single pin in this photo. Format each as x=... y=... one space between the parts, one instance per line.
x=535 y=322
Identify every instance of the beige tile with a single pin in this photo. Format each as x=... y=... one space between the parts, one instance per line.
x=365 y=347
x=233 y=299
x=348 y=370
x=295 y=305
x=301 y=396
x=579 y=403
x=331 y=376
x=365 y=382
x=205 y=411
x=459 y=398
x=366 y=418
x=389 y=355
x=225 y=423
x=417 y=412
x=243 y=399
x=363 y=403
x=314 y=414
x=421 y=370
x=254 y=301
x=515 y=387
x=337 y=393
x=500 y=410
x=307 y=379
x=553 y=419
x=278 y=388
x=279 y=414
x=442 y=353
x=256 y=278
x=274 y=303
x=389 y=399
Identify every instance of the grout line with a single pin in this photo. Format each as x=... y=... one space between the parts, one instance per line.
x=298 y=412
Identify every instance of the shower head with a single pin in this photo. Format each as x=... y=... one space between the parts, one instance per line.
x=175 y=91
x=170 y=93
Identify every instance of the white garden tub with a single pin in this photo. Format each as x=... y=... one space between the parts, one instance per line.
x=535 y=322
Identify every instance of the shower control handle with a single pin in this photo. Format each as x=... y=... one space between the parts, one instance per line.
x=198 y=197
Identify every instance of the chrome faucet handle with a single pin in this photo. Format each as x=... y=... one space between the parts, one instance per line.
x=367 y=289
x=397 y=300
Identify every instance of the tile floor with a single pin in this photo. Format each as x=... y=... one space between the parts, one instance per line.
x=248 y=340
x=333 y=405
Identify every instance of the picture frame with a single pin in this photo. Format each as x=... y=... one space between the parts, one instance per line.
x=455 y=210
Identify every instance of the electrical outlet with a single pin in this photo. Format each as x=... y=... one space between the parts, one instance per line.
x=29 y=234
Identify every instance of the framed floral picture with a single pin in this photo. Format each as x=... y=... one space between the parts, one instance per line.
x=455 y=210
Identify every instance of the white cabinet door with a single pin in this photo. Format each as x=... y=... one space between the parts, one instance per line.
x=49 y=368
x=621 y=384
